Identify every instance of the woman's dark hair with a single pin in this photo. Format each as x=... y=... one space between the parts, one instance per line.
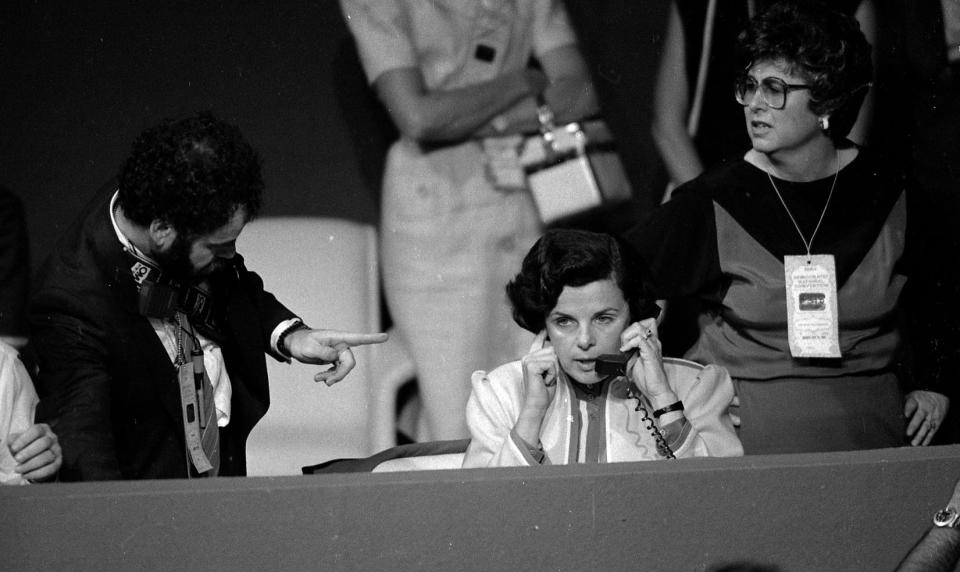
x=193 y=173
x=820 y=44
x=567 y=257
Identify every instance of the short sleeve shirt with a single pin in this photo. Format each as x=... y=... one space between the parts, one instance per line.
x=454 y=43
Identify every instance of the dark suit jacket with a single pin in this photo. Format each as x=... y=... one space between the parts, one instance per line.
x=14 y=265
x=106 y=383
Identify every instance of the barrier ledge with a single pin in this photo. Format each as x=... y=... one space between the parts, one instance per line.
x=859 y=510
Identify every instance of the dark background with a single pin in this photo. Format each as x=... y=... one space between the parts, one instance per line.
x=79 y=81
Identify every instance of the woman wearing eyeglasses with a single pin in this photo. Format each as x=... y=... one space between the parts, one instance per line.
x=695 y=125
x=811 y=256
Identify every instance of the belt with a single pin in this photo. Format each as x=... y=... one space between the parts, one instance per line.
x=431 y=146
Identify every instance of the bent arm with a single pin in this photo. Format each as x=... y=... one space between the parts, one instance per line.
x=706 y=394
x=492 y=413
x=273 y=316
x=74 y=386
x=937 y=551
x=569 y=94
x=930 y=302
x=450 y=115
x=671 y=104
x=866 y=15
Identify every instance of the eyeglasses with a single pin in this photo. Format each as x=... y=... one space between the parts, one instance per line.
x=773 y=90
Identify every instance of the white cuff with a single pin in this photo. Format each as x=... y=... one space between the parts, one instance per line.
x=275 y=337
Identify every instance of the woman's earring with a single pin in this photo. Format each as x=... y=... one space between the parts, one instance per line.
x=824 y=123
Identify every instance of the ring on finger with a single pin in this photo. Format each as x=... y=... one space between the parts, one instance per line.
x=647 y=334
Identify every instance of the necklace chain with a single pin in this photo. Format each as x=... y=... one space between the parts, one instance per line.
x=833 y=185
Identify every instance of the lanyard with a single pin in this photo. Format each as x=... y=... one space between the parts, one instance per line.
x=833 y=185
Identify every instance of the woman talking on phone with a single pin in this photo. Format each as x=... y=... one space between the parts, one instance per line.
x=562 y=403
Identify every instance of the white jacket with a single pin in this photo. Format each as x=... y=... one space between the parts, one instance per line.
x=494 y=407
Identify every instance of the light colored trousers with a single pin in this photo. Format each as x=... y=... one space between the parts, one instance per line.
x=450 y=242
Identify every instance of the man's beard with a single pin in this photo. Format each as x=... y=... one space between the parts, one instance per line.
x=175 y=262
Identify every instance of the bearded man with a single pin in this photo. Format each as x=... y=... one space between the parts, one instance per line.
x=150 y=331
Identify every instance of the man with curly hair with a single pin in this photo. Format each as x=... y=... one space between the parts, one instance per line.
x=150 y=331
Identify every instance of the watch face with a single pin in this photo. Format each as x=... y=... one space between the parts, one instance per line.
x=948 y=517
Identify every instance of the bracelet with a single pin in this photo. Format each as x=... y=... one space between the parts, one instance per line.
x=296 y=326
x=675 y=406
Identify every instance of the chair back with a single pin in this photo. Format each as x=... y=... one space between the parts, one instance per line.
x=443 y=462
x=325 y=270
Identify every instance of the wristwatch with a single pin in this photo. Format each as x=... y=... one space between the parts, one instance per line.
x=947 y=517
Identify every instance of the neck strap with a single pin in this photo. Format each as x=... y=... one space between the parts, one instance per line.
x=162 y=297
x=807 y=243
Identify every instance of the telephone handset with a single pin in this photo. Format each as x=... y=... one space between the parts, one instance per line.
x=614 y=364
x=606 y=364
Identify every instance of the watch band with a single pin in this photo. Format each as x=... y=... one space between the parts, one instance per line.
x=947 y=517
x=675 y=406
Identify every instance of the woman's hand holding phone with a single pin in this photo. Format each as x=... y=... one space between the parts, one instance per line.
x=645 y=368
